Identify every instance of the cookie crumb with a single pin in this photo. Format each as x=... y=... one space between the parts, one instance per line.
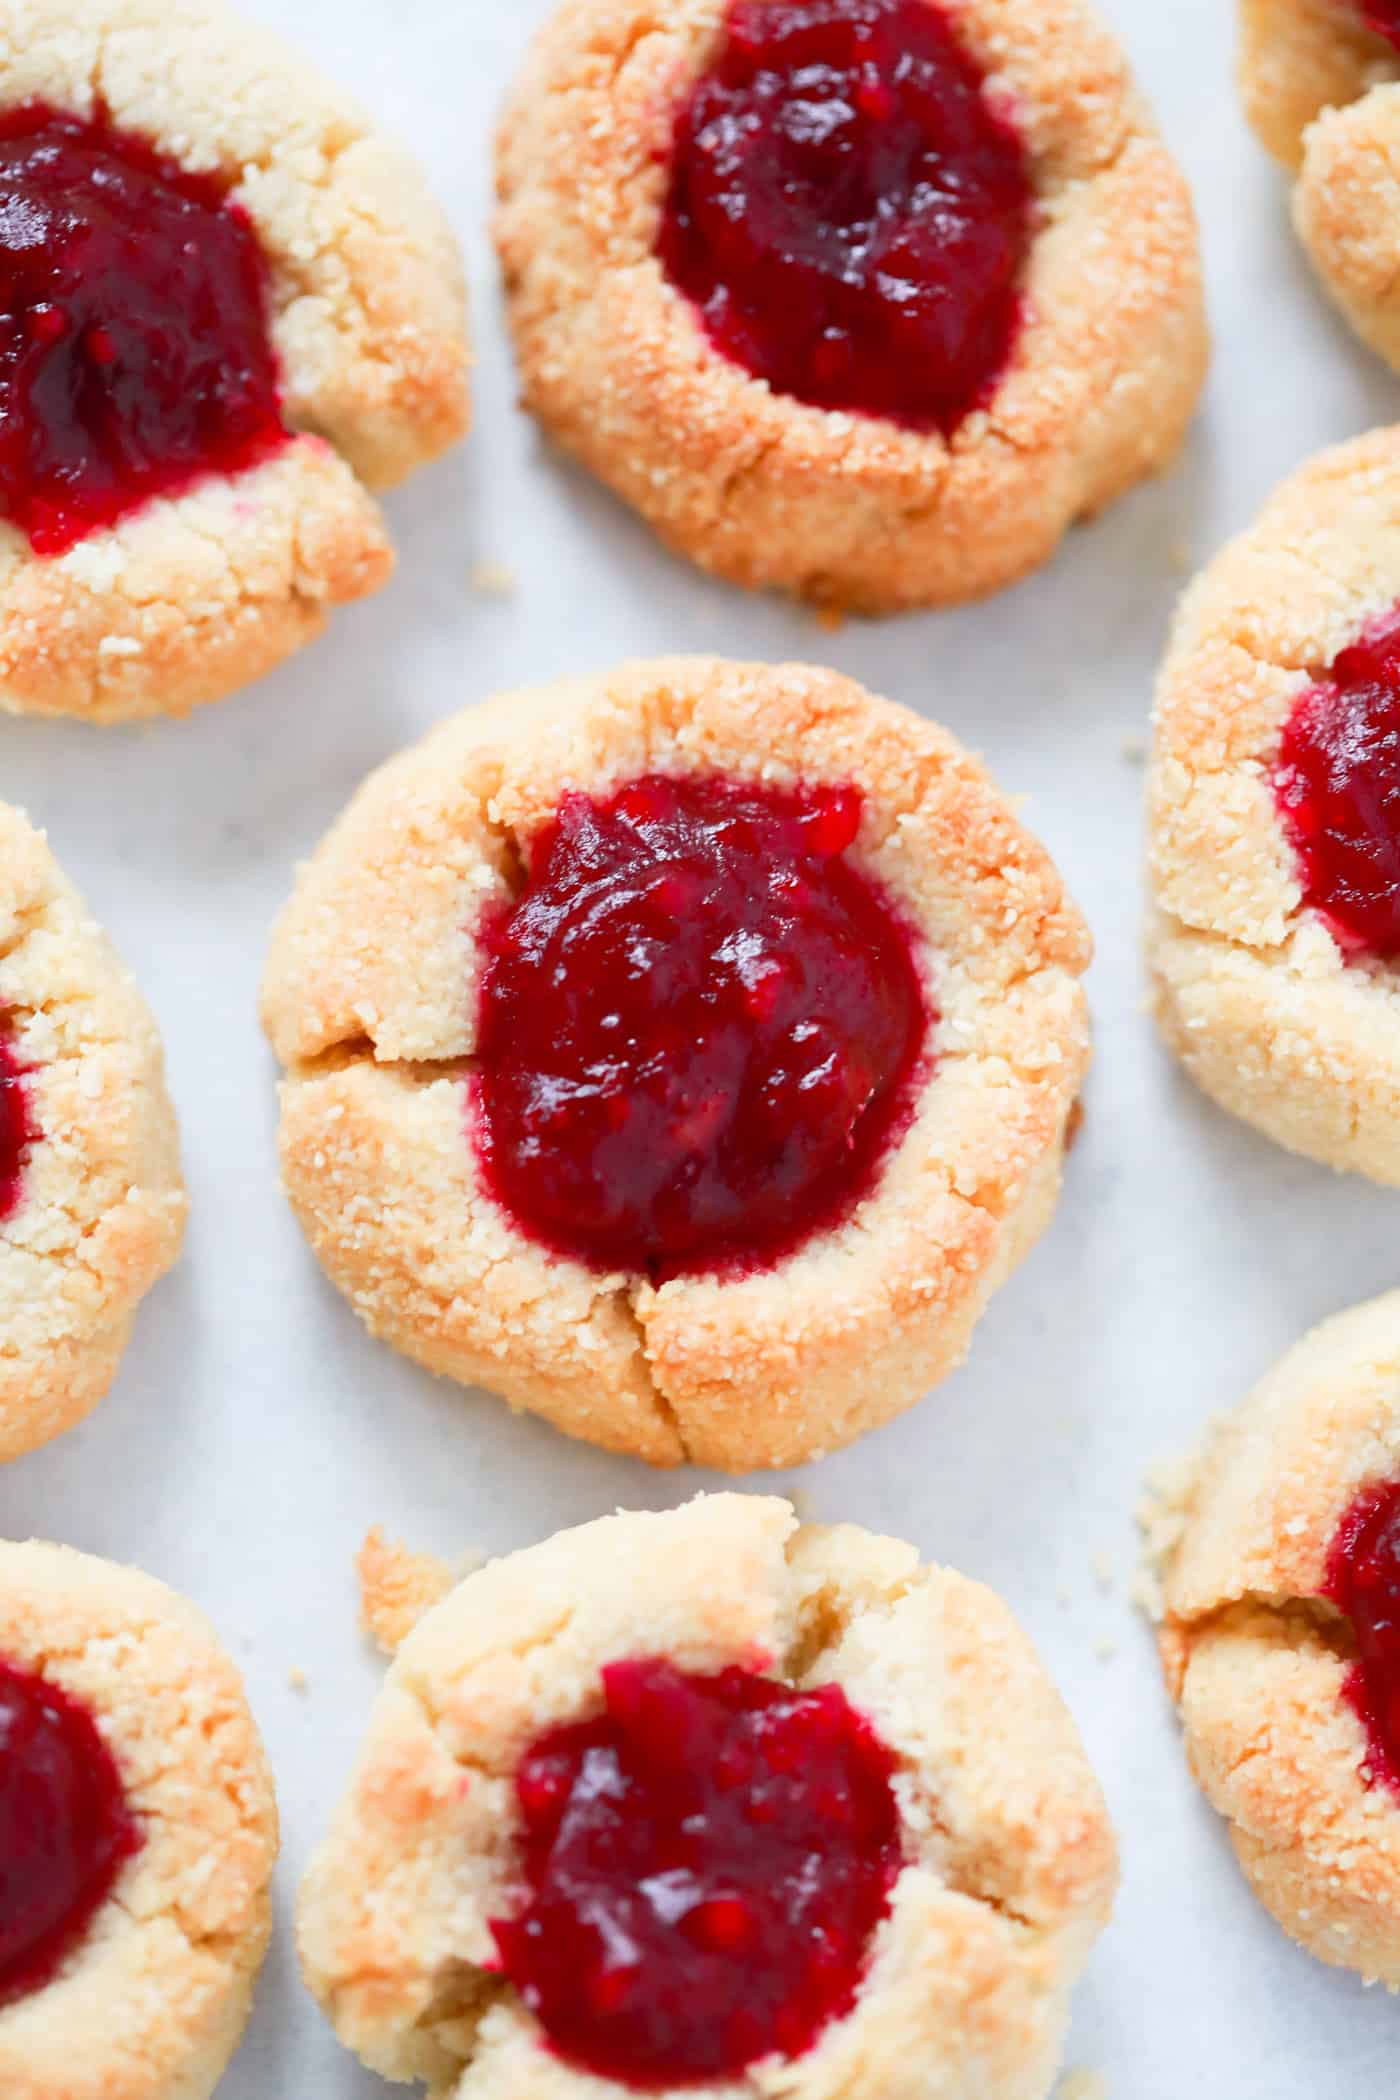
x=1103 y=1572
x=1081 y=2084
x=1105 y=1649
x=830 y=618
x=492 y=579
x=1162 y=1514
x=397 y=1587
x=298 y=1680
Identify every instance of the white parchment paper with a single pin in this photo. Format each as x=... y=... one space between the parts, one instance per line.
x=255 y=1432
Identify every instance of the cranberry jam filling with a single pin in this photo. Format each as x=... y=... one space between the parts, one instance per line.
x=134 y=346
x=848 y=211
x=1337 y=787
x=1363 y=1580
x=705 y=1865
x=65 y=1828
x=16 y=1129
x=1384 y=17
x=700 y=1029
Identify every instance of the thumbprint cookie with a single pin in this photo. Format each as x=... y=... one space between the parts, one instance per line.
x=1281 y=1636
x=867 y=300
x=706 y=1799
x=228 y=309
x=1275 y=817
x=92 y=1206
x=1321 y=86
x=138 y=1833
x=684 y=1053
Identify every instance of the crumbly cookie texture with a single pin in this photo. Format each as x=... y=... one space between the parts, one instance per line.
x=396 y=1587
x=846 y=510
x=1322 y=93
x=102 y=1211
x=1250 y=988
x=369 y=1002
x=1010 y=1859
x=188 y=598
x=1255 y=1655
x=152 y=2003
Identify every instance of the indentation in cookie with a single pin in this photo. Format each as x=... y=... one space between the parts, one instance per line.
x=701 y=1027
x=849 y=212
x=17 y=1131
x=1363 y=1580
x=66 y=1828
x=704 y=1865
x=1337 y=787
x=135 y=355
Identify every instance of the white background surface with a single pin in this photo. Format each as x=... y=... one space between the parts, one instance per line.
x=255 y=1432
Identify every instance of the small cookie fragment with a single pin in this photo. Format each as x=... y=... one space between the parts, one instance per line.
x=1082 y=2084
x=610 y=1678
x=1278 y=1635
x=397 y=1587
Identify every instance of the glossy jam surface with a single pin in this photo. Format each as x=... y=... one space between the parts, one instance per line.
x=17 y=1131
x=847 y=210
x=704 y=1867
x=1337 y=786
x=65 y=1828
x=1384 y=17
x=134 y=347
x=1363 y=1580
x=700 y=1027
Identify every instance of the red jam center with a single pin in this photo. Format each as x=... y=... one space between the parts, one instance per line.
x=1363 y=1580
x=848 y=211
x=1337 y=787
x=700 y=1028
x=705 y=1865
x=65 y=1828
x=134 y=348
x=16 y=1129
x=1384 y=17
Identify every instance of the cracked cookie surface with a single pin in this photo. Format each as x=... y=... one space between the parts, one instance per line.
x=844 y=508
x=96 y=1205
x=1007 y=1866
x=1321 y=90
x=186 y=598
x=1259 y=1655
x=1278 y=1020
x=151 y=2001
x=369 y=1003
